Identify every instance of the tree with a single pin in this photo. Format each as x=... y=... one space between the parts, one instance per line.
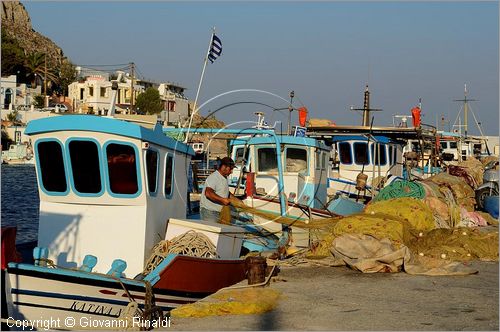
x=149 y=102
x=38 y=101
x=35 y=65
x=67 y=75
x=12 y=57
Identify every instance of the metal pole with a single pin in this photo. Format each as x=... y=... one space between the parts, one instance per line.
x=195 y=106
x=290 y=109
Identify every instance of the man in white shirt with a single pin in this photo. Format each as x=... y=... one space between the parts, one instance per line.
x=216 y=193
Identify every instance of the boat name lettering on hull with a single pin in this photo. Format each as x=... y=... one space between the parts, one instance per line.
x=95 y=309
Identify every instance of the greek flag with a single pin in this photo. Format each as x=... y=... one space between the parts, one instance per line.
x=215 y=49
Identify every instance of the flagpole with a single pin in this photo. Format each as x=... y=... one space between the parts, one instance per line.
x=195 y=106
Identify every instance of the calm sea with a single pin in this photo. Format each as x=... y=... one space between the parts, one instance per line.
x=20 y=201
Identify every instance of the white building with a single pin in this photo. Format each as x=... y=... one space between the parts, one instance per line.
x=8 y=92
x=175 y=104
x=93 y=95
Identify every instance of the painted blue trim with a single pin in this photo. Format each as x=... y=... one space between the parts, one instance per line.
x=106 y=125
x=73 y=273
x=70 y=168
x=137 y=169
x=158 y=160
x=154 y=275
x=292 y=140
x=39 y=175
x=377 y=138
x=169 y=196
x=51 y=295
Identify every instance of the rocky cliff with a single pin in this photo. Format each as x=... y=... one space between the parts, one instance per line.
x=16 y=23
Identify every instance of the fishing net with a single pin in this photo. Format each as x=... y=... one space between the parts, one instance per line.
x=231 y=302
x=399 y=189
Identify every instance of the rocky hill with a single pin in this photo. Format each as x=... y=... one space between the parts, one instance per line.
x=16 y=23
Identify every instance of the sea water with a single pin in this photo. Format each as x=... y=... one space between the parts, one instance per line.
x=20 y=201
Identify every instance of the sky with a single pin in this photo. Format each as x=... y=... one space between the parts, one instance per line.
x=326 y=52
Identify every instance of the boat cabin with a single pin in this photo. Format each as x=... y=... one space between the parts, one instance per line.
x=377 y=157
x=107 y=188
x=304 y=163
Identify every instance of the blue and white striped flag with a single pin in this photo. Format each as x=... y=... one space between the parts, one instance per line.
x=215 y=49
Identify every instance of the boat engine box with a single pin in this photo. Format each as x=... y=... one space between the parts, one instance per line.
x=226 y=238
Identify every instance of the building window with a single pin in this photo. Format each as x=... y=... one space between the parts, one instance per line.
x=171 y=105
x=82 y=93
x=152 y=170
x=84 y=157
x=375 y=154
x=103 y=92
x=361 y=153
x=345 y=153
x=296 y=160
x=91 y=91
x=169 y=175
x=122 y=169
x=267 y=161
x=51 y=162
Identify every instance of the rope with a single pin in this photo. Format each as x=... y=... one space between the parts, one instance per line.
x=401 y=188
x=191 y=243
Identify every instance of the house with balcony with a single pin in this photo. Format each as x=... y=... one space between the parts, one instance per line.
x=175 y=104
x=92 y=95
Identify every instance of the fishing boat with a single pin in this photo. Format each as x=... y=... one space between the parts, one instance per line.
x=280 y=175
x=109 y=190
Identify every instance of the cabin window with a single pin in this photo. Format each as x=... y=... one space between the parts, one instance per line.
x=381 y=152
x=267 y=161
x=453 y=145
x=84 y=157
x=390 y=155
x=318 y=159
x=345 y=153
x=239 y=158
x=324 y=161
x=152 y=170
x=296 y=160
x=444 y=145
x=122 y=169
x=361 y=153
x=169 y=175
x=51 y=162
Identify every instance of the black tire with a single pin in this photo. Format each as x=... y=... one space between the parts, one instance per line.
x=482 y=193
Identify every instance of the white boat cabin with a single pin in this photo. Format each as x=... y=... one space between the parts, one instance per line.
x=107 y=188
x=304 y=160
x=377 y=157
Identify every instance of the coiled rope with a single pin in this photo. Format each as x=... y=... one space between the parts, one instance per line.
x=191 y=243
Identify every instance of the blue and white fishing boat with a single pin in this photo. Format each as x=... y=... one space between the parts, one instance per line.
x=108 y=189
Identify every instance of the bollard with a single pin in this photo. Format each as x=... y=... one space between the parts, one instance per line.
x=256 y=269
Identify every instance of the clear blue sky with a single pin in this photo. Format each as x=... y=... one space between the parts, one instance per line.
x=325 y=51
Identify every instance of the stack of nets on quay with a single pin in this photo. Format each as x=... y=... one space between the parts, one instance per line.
x=421 y=227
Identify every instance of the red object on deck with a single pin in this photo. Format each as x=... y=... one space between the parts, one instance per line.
x=302 y=116
x=415 y=113
x=9 y=252
x=250 y=185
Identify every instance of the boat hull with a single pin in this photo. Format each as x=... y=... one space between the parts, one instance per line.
x=35 y=293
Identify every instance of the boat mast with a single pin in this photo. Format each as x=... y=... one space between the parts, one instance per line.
x=466 y=109
x=366 y=108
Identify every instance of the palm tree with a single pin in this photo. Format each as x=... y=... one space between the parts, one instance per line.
x=35 y=65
